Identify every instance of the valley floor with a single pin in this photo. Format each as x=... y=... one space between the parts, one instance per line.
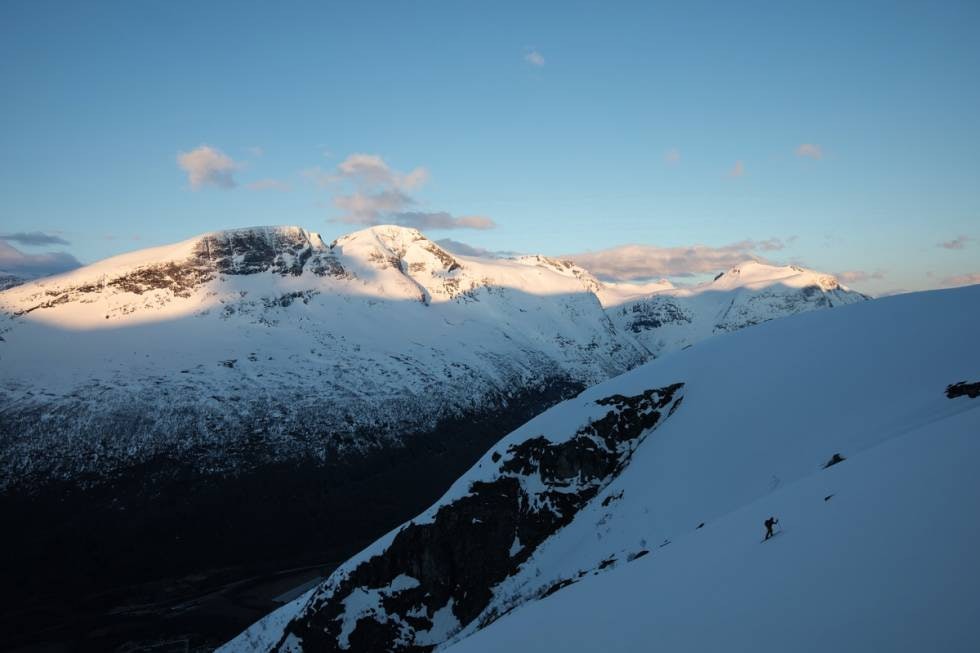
x=189 y=614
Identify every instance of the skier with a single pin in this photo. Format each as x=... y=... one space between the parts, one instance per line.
x=772 y=521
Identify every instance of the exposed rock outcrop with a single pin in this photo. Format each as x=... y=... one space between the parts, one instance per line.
x=425 y=585
x=963 y=389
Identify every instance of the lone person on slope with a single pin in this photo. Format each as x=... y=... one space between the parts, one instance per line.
x=772 y=521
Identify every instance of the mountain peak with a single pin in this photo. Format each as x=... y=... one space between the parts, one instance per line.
x=752 y=272
x=386 y=234
x=265 y=231
x=403 y=249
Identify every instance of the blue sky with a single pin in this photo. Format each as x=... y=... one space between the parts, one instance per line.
x=843 y=136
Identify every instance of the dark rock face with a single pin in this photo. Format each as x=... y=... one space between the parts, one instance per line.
x=963 y=389
x=473 y=543
x=444 y=257
x=655 y=313
x=834 y=460
x=249 y=251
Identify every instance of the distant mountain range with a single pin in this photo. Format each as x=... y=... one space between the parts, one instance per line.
x=270 y=335
x=217 y=396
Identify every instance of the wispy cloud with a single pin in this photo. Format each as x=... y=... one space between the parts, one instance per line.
x=208 y=166
x=16 y=262
x=957 y=243
x=737 y=170
x=672 y=156
x=768 y=245
x=633 y=262
x=377 y=194
x=465 y=249
x=268 y=184
x=364 y=207
x=368 y=170
x=535 y=58
x=857 y=276
x=442 y=220
x=809 y=151
x=457 y=247
x=893 y=291
x=34 y=238
x=961 y=280
x=371 y=169
x=255 y=151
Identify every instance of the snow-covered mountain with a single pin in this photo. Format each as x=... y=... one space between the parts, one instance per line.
x=311 y=349
x=272 y=335
x=665 y=319
x=9 y=280
x=630 y=517
x=250 y=398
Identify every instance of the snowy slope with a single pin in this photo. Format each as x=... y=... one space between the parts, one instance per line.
x=580 y=530
x=888 y=563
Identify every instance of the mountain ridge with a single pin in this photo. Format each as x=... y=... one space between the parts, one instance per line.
x=222 y=295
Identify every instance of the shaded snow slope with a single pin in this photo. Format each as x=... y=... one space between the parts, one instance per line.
x=763 y=411
x=887 y=563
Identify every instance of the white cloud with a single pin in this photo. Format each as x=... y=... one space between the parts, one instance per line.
x=957 y=243
x=378 y=194
x=672 y=156
x=810 y=150
x=371 y=207
x=961 y=280
x=535 y=58
x=371 y=170
x=268 y=184
x=255 y=151
x=737 y=170
x=368 y=170
x=208 y=166
x=632 y=262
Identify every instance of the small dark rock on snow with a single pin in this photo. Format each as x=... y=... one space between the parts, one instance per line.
x=836 y=458
x=971 y=390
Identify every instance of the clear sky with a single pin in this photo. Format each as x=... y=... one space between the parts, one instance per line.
x=843 y=136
